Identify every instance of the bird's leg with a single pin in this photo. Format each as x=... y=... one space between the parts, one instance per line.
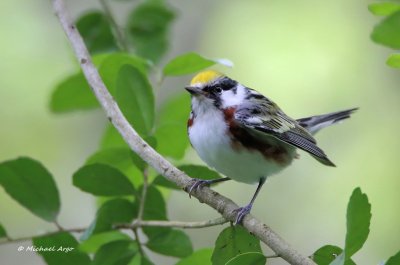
x=243 y=211
x=198 y=183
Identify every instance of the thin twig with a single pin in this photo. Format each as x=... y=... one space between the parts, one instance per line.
x=135 y=232
x=118 y=33
x=144 y=193
x=28 y=238
x=220 y=203
x=177 y=224
x=59 y=227
x=133 y=226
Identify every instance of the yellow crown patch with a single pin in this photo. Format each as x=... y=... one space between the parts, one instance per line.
x=205 y=77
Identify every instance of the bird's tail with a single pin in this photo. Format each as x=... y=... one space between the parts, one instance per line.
x=315 y=123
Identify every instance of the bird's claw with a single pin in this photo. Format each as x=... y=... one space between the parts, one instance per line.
x=197 y=184
x=241 y=213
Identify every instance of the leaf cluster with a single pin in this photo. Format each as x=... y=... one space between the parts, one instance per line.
x=387 y=31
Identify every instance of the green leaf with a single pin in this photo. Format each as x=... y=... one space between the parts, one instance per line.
x=123 y=159
x=163 y=182
x=199 y=257
x=358 y=222
x=28 y=182
x=384 y=8
x=394 y=260
x=116 y=211
x=135 y=98
x=144 y=260
x=140 y=260
x=115 y=152
x=171 y=243
x=93 y=243
x=71 y=94
x=112 y=64
x=191 y=62
x=195 y=171
x=154 y=209
x=387 y=32
x=186 y=64
x=148 y=27
x=120 y=158
x=249 y=258
x=96 y=32
x=171 y=132
x=394 y=60
x=3 y=232
x=74 y=93
x=233 y=241
x=115 y=253
x=172 y=140
x=112 y=139
x=326 y=254
x=102 y=180
x=60 y=249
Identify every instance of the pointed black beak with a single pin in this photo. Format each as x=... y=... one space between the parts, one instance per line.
x=194 y=90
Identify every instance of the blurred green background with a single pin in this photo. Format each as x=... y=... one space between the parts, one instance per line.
x=309 y=56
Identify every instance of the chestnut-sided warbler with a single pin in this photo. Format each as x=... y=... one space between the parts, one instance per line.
x=244 y=135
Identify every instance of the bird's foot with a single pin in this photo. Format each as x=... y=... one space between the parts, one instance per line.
x=241 y=213
x=197 y=184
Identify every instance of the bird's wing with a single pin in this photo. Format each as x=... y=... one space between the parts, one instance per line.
x=260 y=114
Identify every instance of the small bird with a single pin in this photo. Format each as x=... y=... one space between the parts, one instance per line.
x=244 y=135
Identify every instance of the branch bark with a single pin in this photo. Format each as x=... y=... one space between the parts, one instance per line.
x=220 y=203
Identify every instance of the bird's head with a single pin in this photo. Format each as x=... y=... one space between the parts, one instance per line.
x=212 y=89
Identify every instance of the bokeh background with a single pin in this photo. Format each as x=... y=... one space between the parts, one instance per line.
x=309 y=56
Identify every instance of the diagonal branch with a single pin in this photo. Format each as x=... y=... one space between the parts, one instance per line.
x=220 y=203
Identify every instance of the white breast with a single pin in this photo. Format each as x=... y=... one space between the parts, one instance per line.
x=208 y=135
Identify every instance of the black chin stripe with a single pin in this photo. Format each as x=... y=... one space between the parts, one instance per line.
x=217 y=102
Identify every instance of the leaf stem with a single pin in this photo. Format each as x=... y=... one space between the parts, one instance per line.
x=59 y=227
x=117 y=30
x=144 y=193
x=135 y=232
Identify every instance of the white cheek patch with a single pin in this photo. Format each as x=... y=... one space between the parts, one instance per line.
x=229 y=98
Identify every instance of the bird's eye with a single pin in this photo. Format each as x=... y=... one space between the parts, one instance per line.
x=217 y=89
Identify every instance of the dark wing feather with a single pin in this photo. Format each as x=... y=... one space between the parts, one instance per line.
x=261 y=114
x=315 y=123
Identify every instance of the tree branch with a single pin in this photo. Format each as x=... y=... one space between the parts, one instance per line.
x=220 y=203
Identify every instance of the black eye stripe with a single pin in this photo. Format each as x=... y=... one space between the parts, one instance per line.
x=224 y=84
